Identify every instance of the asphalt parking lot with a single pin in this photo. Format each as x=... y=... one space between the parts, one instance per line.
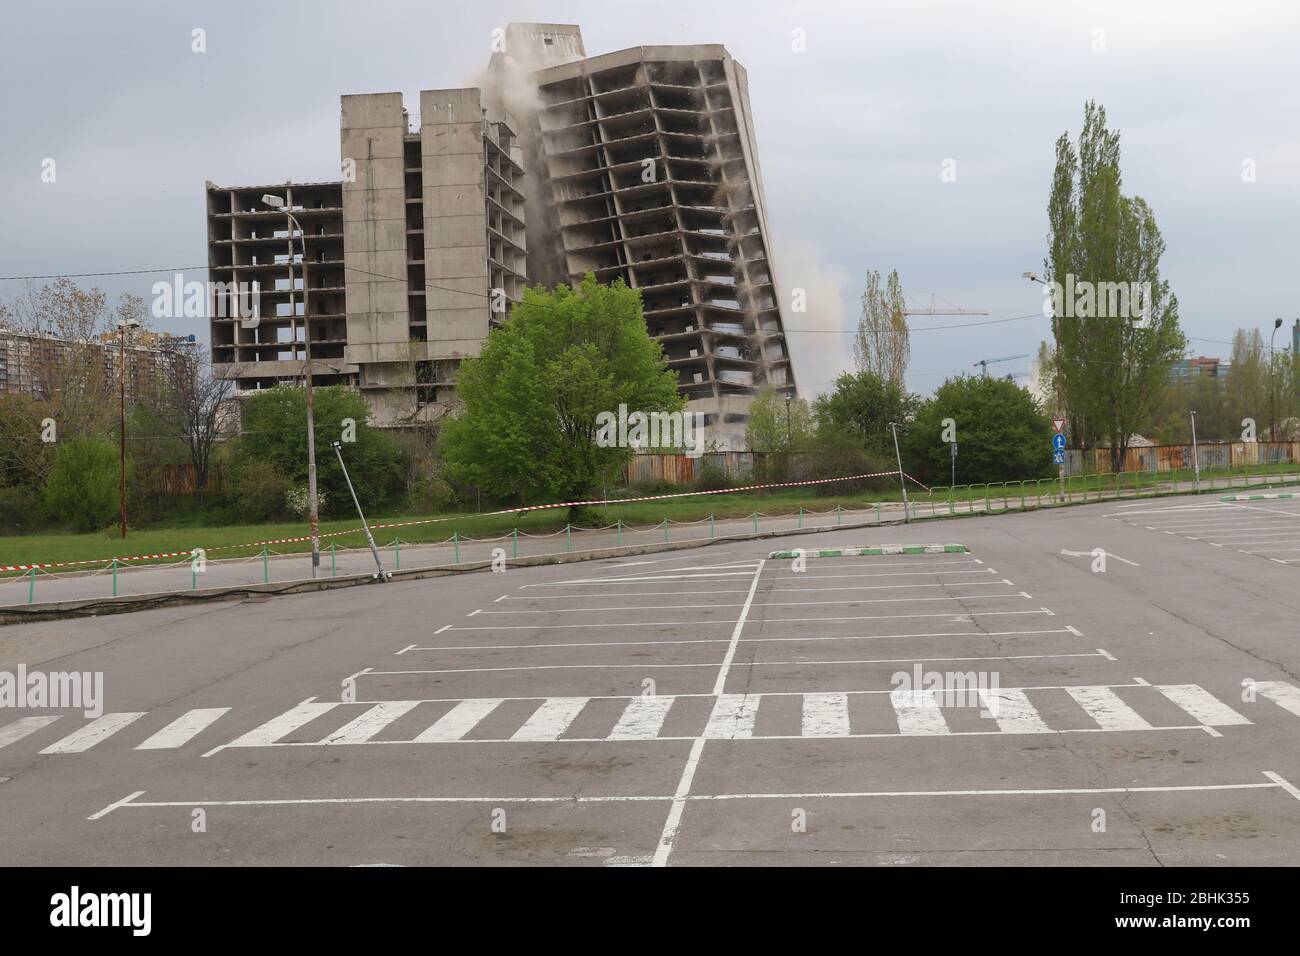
x=1012 y=704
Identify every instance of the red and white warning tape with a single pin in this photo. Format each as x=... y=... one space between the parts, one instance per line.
x=484 y=514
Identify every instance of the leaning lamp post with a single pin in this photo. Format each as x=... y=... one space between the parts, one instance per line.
x=275 y=202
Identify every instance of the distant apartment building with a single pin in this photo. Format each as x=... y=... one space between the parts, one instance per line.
x=645 y=168
x=640 y=165
x=1190 y=368
x=410 y=256
x=40 y=365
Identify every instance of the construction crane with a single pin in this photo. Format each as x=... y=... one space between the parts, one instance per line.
x=933 y=311
x=984 y=364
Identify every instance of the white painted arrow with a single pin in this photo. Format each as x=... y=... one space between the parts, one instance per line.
x=1109 y=554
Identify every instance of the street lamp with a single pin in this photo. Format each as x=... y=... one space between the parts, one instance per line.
x=1056 y=383
x=1196 y=457
x=1272 y=383
x=901 y=480
x=275 y=202
x=125 y=324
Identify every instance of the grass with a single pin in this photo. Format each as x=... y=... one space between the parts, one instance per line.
x=232 y=541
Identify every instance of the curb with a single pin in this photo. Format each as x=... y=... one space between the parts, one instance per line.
x=873 y=552
x=1272 y=497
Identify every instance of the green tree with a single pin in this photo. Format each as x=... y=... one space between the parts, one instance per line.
x=779 y=425
x=275 y=437
x=882 y=345
x=1113 y=369
x=1247 y=388
x=82 y=490
x=862 y=406
x=1002 y=433
x=531 y=400
x=1204 y=395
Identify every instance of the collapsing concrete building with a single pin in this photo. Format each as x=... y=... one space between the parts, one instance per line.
x=644 y=167
x=640 y=165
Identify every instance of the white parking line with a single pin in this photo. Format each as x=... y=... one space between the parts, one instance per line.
x=646 y=665
x=669 y=833
x=780 y=620
x=710 y=607
x=748 y=640
x=130 y=801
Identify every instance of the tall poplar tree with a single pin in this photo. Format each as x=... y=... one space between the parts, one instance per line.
x=1113 y=369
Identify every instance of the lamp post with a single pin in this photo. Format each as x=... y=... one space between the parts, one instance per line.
x=125 y=324
x=382 y=575
x=1272 y=382
x=275 y=202
x=1056 y=381
x=902 y=482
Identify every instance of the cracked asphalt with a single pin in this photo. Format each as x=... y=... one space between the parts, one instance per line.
x=1009 y=705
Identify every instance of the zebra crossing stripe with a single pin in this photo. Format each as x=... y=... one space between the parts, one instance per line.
x=551 y=719
x=871 y=552
x=1013 y=712
x=1104 y=706
x=282 y=726
x=642 y=719
x=20 y=728
x=92 y=733
x=825 y=715
x=918 y=712
x=184 y=728
x=732 y=717
x=460 y=720
x=1281 y=693
x=362 y=728
x=1202 y=705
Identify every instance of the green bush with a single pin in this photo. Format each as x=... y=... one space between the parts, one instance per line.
x=258 y=492
x=432 y=496
x=1002 y=434
x=82 y=491
x=837 y=452
x=18 y=514
x=275 y=434
x=710 y=476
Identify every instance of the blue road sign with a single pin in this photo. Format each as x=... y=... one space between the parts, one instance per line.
x=1058 y=458
x=1058 y=442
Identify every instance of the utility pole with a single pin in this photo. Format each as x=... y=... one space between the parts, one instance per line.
x=313 y=506
x=1272 y=382
x=901 y=480
x=382 y=575
x=125 y=323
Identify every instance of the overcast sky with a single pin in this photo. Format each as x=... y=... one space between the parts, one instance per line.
x=853 y=133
